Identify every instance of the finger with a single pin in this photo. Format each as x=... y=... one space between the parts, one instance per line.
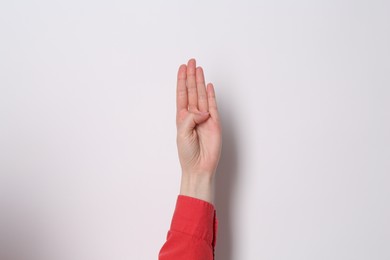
x=181 y=90
x=191 y=86
x=212 y=101
x=191 y=121
x=202 y=94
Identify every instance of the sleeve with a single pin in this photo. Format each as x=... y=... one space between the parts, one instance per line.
x=193 y=231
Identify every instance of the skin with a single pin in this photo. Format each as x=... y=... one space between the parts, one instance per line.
x=199 y=132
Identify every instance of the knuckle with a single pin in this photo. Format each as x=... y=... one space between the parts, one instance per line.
x=192 y=90
x=181 y=92
x=202 y=97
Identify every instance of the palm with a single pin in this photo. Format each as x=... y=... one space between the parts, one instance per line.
x=199 y=136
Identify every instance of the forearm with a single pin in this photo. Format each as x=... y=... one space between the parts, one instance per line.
x=200 y=186
x=193 y=231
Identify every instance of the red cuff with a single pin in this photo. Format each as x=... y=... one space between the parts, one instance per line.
x=195 y=217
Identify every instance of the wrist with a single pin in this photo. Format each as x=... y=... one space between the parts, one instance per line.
x=200 y=186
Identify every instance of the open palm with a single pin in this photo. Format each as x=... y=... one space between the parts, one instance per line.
x=199 y=132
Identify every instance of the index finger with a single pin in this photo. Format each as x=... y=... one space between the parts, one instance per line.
x=181 y=90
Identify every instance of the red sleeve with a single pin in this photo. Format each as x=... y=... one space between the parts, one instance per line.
x=193 y=231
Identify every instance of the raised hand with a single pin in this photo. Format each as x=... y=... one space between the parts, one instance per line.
x=199 y=132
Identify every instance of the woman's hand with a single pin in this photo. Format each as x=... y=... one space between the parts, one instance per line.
x=199 y=132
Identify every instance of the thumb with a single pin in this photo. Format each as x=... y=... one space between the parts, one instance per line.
x=195 y=119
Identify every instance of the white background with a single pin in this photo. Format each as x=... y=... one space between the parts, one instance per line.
x=88 y=161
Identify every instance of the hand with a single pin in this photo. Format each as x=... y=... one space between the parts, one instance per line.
x=199 y=133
